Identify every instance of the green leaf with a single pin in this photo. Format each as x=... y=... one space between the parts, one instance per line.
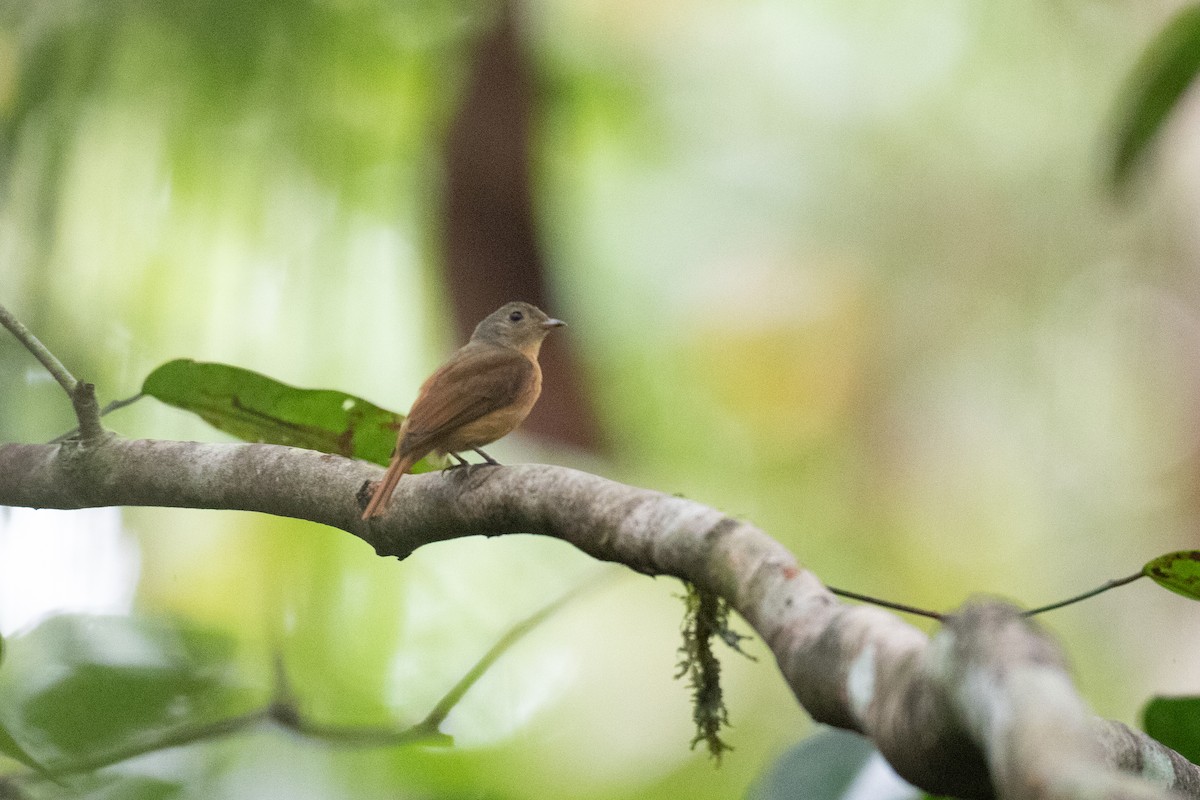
x=112 y=785
x=255 y=408
x=13 y=749
x=822 y=767
x=85 y=689
x=1162 y=75
x=1175 y=721
x=1179 y=572
x=136 y=787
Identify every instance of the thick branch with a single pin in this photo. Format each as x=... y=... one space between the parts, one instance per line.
x=966 y=714
x=1009 y=685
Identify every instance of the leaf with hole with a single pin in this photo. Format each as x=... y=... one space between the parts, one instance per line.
x=256 y=408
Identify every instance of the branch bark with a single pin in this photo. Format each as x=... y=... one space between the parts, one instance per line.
x=983 y=709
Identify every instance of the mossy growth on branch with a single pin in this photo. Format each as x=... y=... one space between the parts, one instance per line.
x=706 y=616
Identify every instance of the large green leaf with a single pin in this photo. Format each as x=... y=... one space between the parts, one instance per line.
x=255 y=408
x=1179 y=572
x=84 y=689
x=1166 y=69
x=1175 y=721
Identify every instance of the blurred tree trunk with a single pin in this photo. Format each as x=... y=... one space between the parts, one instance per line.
x=491 y=249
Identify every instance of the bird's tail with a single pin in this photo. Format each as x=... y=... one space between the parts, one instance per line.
x=383 y=490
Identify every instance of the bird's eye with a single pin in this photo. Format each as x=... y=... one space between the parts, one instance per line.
x=516 y=316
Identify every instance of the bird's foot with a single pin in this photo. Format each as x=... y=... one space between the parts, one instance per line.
x=465 y=467
x=459 y=463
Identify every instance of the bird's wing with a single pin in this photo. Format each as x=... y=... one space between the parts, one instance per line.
x=473 y=383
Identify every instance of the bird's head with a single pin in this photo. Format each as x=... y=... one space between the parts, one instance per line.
x=518 y=325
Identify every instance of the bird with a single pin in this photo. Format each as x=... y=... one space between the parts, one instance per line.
x=481 y=393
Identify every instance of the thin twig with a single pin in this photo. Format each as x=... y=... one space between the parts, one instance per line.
x=438 y=714
x=365 y=736
x=1104 y=587
x=179 y=737
x=115 y=404
x=875 y=601
x=83 y=395
x=55 y=367
x=283 y=711
x=1031 y=612
x=108 y=409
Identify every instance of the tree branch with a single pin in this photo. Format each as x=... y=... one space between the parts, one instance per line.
x=1104 y=587
x=83 y=395
x=984 y=709
x=42 y=353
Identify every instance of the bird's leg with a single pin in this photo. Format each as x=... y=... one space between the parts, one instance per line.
x=460 y=462
x=464 y=464
x=486 y=457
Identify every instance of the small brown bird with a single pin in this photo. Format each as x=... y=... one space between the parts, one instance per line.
x=484 y=391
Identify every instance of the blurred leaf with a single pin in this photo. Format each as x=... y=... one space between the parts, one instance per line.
x=137 y=787
x=333 y=87
x=1162 y=75
x=255 y=408
x=821 y=767
x=78 y=688
x=1175 y=721
x=1179 y=572
x=11 y=748
x=108 y=786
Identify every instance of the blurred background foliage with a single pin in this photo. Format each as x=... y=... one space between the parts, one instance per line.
x=854 y=271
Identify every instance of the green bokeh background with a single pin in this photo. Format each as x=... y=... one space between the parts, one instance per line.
x=850 y=270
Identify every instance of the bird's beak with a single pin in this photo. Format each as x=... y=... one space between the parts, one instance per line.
x=553 y=323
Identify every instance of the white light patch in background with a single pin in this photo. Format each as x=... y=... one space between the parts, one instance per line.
x=60 y=561
x=878 y=781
